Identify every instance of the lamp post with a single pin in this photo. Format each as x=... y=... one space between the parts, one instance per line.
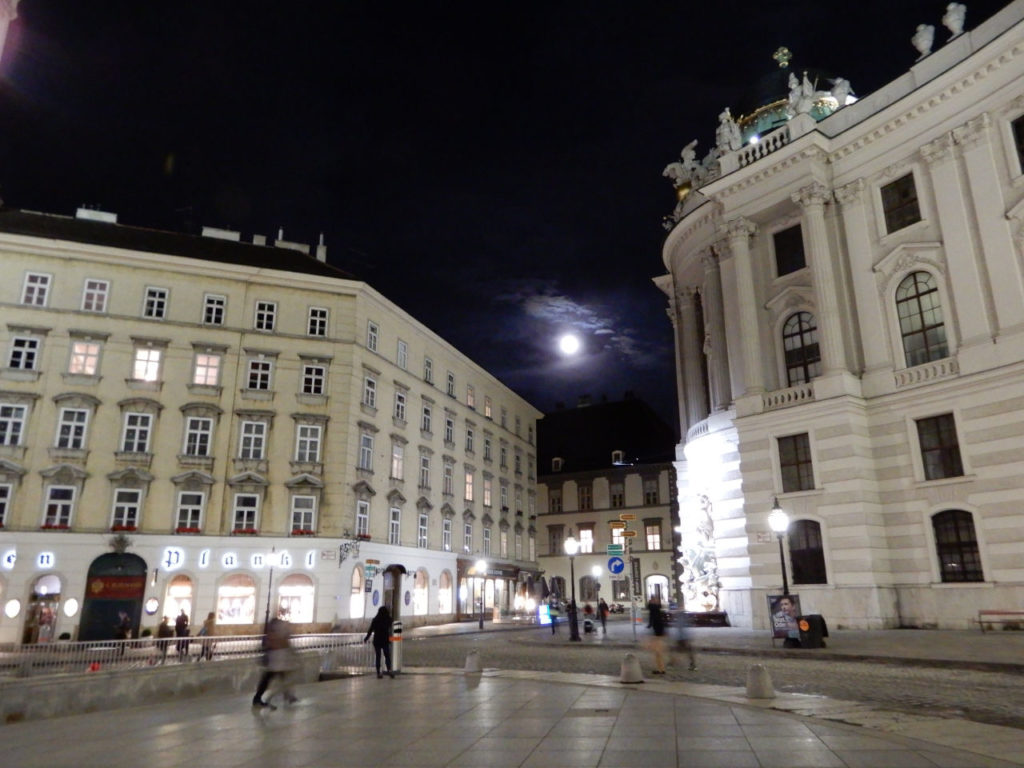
x=272 y=561
x=778 y=521
x=571 y=548
x=481 y=571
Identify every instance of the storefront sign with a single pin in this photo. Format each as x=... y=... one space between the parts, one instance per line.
x=10 y=558
x=116 y=587
x=46 y=560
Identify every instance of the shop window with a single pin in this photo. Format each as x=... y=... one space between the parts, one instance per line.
x=236 y=600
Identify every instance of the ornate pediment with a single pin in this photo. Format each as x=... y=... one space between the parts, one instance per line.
x=305 y=480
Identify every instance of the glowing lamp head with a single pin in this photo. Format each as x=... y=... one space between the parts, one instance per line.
x=571 y=546
x=481 y=567
x=778 y=520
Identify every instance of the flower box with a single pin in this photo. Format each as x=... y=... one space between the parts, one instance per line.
x=302 y=532
x=55 y=526
x=245 y=531
x=363 y=536
x=123 y=528
x=186 y=529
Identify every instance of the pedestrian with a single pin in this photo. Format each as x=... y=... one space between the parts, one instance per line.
x=123 y=631
x=684 y=640
x=602 y=611
x=278 y=662
x=181 y=632
x=164 y=633
x=553 y=606
x=656 y=623
x=206 y=632
x=380 y=628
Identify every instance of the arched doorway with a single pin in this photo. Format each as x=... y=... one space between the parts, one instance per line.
x=295 y=599
x=178 y=598
x=421 y=594
x=43 y=609
x=392 y=593
x=116 y=583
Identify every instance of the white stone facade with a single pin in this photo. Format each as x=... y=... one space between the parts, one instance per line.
x=888 y=417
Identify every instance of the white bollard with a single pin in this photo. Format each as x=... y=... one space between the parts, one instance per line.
x=473 y=662
x=630 y=670
x=759 y=683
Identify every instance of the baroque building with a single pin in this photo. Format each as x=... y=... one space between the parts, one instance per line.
x=846 y=284
x=210 y=425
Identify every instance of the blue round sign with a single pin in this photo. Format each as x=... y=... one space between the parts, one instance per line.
x=616 y=564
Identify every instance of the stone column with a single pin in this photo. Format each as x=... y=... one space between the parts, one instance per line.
x=964 y=270
x=673 y=315
x=8 y=13
x=738 y=231
x=812 y=199
x=715 y=343
x=693 y=381
x=870 y=312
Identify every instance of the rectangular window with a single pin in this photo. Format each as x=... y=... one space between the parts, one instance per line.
x=789 y=250
x=198 y=436
x=71 y=428
x=586 y=498
x=467 y=537
x=94 y=295
x=487 y=448
x=206 y=372
x=36 y=291
x=519 y=425
x=503 y=544
x=618 y=495
x=252 y=440
x=155 y=303
x=488 y=408
x=428 y=370
x=617 y=537
x=214 y=308
x=555 y=500
x=503 y=494
x=190 y=510
x=487 y=542
x=137 y=428
x=425 y=421
x=533 y=549
x=446 y=535
x=469 y=486
x=314 y=379
x=451 y=384
x=12 y=422
x=1018 y=139
x=795 y=463
x=397 y=461
x=518 y=463
x=366 y=451
x=470 y=397
x=421 y=531
x=586 y=537
x=424 y=472
x=519 y=500
x=487 y=491
x=899 y=203
x=303 y=513
x=449 y=430
x=400 y=406
x=363 y=518
x=60 y=500
x=259 y=374
x=85 y=358
x=24 y=353
x=266 y=315
x=247 y=506
x=316 y=324
x=503 y=453
x=372 y=335
x=307 y=443
x=448 y=479
x=940 y=449
x=146 y=366
x=402 y=355
x=652 y=534
x=5 y=503
x=504 y=418
x=127 y=503
x=519 y=546
x=650 y=491
x=395 y=526
x=370 y=392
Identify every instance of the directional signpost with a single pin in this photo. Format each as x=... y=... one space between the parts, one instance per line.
x=616 y=565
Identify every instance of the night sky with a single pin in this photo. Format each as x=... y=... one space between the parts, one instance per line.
x=492 y=168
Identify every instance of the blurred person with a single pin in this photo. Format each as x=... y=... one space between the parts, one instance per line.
x=278 y=661
x=380 y=628
x=656 y=623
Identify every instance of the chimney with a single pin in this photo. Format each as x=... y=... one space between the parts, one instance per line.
x=321 y=250
x=95 y=214
x=259 y=239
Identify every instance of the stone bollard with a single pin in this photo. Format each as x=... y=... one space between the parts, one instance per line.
x=759 y=683
x=473 y=661
x=630 y=670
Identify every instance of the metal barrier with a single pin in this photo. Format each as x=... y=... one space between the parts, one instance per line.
x=339 y=651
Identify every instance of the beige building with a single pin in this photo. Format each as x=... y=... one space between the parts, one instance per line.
x=270 y=434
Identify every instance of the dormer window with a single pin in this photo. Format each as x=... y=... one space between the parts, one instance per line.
x=556 y=465
x=618 y=458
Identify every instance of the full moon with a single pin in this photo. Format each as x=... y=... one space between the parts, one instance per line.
x=569 y=344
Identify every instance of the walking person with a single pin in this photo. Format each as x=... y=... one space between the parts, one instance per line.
x=602 y=611
x=206 y=632
x=656 y=623
x=278 y=662
x=164 y=633
x=684 y=640
x=553 y=610
x=123 y=631
x=380 y=628
x=181 y=632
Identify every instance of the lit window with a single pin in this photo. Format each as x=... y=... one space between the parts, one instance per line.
x=317 y=323
x=94 y=295
x=155 y=303
x=266 y=315
x=213 y=309
x=36 y=290
x=207 y=370
x=85 y=358
x=469 y=486
x=470 y=397
x=487 y=491
x=147 y=364
x=652 y=533
x=488 y=408
x=586 y=539
x=397 y=461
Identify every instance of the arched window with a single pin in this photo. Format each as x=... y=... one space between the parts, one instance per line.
x=356 y=601
x=236 y=600
x=295 y=599
x=178 y=597
x=420 y=594
x=957 y=546
x=444 y=593
x=800 y=342
x=920 y=314
x=806 y=553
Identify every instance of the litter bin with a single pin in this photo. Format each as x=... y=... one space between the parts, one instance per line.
x=812 y=630
x=396 y=646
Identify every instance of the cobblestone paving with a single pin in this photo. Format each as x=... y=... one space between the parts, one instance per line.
x=987 y=697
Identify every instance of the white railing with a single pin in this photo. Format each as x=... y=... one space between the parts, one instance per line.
x=919 y=374
x=784 y=398
x=697 y=430
x=764 y=146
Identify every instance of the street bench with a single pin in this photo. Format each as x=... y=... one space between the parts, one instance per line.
x=987 y=618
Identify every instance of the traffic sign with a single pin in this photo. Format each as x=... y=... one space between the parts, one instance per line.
x=616 y=564
x=627 y=516
x=615 y=549
x=629 y=534
x=616 y=525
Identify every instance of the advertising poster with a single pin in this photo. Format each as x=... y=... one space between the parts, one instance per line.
x=783 y=610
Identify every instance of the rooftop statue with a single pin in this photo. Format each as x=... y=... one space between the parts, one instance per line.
x=727 y=135
x=801 y=96
x=685 y=171
x=923 y=39
x=954 y=18
x=841 y=90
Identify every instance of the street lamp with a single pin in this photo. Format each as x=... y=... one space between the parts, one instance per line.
x=481 y=571
x=778 y=521
x=571 y=548
x=272 y=560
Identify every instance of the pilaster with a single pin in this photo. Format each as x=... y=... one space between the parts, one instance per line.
x=715 y=342
x=738 y=231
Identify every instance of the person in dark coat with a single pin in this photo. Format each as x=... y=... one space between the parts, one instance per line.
x=164 y=633
x=656 y=624
x=602 y=611
x=380 y=628
x=181 y=632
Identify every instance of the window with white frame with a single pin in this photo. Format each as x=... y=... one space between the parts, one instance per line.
x=307 y=443
x=303 y=513
x=85 y=358
x=189 y=513
x=12 y=423
x=24 y=353
x=246 y=510
x=206 y=369
x=214 y=308
x=146 y=366
x=154 y=305
x=487 y=491
x=71 y=428
x=266 y=315
x=519 y=500
x=60 y=502
x=137 y=429
x=316 y=324
x=503 y=494
x=362 y=518
x=800 y=346
x=487 y=448
x=94 y=295
x=650 y=491
x=586 y=538
x=421 y=531
x=469 y=486
x=448 y=479
x=372 y=335
x=652 y=534
x=252 y=439
x=397 y=460
x=451 y=384
x=519 y=546
x=446 y=535
x=198 y=436
x=402 y=355
x=400 y=405
x=503 y=544
x=314 y=379
x=5 y=502
x=395 y=526
x=449 y=430
x=424 y=472
x=486 y=542
x=127 y=506
x=554 y=500
x=470 y=396
x=370 y=392
x=469 y=440
x=617 y=537
x=366 y=451
x=425 y=420
x=922 y=328
x=467 y=537
x=36 y=290
x=259 y=374
x=488 y=408
x=428 y=370
x=533 y=549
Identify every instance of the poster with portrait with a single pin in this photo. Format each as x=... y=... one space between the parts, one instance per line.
x=783 y=610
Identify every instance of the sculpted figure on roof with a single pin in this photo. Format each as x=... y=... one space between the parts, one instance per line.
x=727 y=135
